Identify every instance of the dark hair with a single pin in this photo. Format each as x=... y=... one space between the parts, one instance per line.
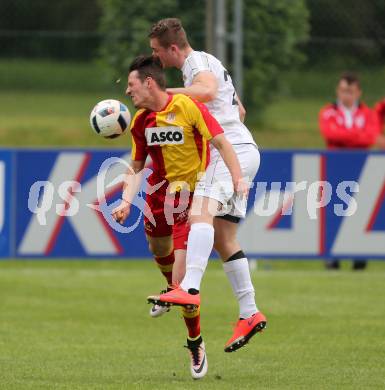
x=350 y=78
x=149 y=66
x=169 y=32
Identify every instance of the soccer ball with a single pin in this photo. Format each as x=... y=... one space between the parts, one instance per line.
x=110 y=118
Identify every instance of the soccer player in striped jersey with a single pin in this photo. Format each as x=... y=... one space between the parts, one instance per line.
x=174 y=131
x=206 y=80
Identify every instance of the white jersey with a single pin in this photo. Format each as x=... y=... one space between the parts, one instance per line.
x=225 y=106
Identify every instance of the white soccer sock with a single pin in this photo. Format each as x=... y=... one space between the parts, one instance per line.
x=238 y=273
x=199 y=247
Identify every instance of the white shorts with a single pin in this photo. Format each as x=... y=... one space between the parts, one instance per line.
x=217 y=184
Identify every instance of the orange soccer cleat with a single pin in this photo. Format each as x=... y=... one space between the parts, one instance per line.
x=177 y=297
x=244 y=330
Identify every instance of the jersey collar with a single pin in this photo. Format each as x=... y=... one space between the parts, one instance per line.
x=170 y=96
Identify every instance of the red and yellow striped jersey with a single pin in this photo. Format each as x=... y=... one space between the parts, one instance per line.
x=176 y=138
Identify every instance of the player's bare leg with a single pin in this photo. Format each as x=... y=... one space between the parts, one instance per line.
x=236 y=267
x=163 y=251
x=179 y=268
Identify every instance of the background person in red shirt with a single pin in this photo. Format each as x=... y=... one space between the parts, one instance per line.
x=380 y=111
x=348 y=124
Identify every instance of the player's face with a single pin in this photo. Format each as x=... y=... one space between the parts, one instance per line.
x=166 y=56
x=348 y=94
x=137 y=90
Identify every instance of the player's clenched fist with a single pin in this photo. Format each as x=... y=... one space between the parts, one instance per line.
x=121 y=213
x=241 y=187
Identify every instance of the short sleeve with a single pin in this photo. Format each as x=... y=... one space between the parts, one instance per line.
x=195 y=63
x=201 y=119
x=139 y=143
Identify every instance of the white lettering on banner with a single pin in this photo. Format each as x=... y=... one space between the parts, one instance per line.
x=89 y=222
x=37 y=238
x=256 y=234
x=130 y=181
x=2 y=194
x=40 y=199
x=349 y=201
x=271 y=200
x=290 y=190
x=355 y=236
x=71 y=205
x=318 y=196
x=89 y=225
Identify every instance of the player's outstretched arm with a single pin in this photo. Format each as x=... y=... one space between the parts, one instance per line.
x=204 y=87
x=131 y=186
x=231 y=160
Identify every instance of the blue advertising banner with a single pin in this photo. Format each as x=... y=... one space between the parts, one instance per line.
x=317 y=204
x=303 y=204
x=59 y=215
x=6 y=191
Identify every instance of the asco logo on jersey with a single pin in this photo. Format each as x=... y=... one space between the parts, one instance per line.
x=168 y=135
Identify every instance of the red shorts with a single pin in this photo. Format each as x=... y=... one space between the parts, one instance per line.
x=167 y=214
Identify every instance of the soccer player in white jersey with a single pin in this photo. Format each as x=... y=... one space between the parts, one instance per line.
x=206 y=80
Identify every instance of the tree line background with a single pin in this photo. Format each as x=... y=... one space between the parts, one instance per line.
x=57 y=59
x=279 y=35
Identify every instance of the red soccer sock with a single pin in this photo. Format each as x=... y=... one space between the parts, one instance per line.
x=165 y=265
x=192 y=319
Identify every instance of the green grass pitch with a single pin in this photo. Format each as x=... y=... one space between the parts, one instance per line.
x=85 y=325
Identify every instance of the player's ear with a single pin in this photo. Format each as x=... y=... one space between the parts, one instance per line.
x=173 y=48
x=151 y=83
